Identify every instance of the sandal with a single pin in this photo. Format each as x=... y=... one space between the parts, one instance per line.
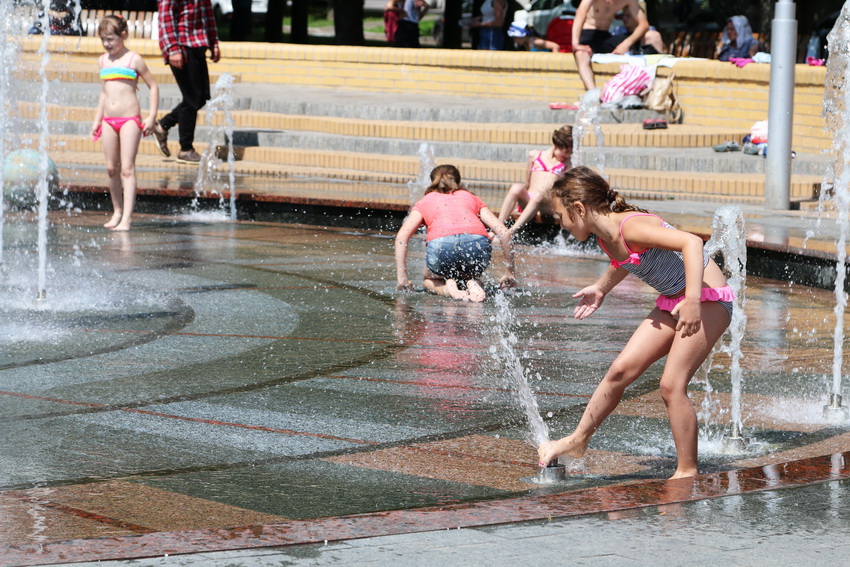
x=728 y=146
x=661 y=124
x=562 y=105
x=650 y=124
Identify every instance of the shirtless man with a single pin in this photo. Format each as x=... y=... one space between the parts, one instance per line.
x=590 y=33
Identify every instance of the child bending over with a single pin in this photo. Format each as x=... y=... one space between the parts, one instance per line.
x=457 y=245
x=692 y=312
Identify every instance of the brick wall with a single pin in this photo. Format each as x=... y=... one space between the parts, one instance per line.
x=711 y=93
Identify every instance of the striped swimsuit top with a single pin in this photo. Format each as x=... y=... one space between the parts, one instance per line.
x=118 y=73
x=664 y=270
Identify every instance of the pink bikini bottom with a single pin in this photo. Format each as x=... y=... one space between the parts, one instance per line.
x=723 y=295
x=117 y=122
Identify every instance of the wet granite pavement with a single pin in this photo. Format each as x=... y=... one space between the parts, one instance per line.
x=239 y=393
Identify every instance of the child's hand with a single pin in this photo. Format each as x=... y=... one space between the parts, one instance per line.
x=507 y=281
x=688 y=312
x=404 y=285
x=149 y=126
x=96 y=130
x=591 y=300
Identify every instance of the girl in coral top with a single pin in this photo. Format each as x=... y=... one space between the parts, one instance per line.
x=457 y=244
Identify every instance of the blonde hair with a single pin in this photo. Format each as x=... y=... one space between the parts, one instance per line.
x=582 y=184
x=113 y=23
x=444 y=179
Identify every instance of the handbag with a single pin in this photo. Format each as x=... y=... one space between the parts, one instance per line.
x=662 y=98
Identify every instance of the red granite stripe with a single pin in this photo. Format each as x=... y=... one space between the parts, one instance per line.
x=633 y=495
x=100 y=518
x=48 y=399
x=195 y=419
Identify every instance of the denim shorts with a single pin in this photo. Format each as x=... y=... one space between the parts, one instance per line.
x=460 y=256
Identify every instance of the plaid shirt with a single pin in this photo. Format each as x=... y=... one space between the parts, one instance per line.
x=188 y=23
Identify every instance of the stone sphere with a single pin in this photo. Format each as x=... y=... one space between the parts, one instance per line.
x=21 y=173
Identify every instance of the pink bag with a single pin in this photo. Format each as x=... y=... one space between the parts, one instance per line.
x=631 y=80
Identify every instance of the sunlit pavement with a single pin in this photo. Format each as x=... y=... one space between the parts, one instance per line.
x=246 y=393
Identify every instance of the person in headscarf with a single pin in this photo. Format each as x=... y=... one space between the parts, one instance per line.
x=737 y=41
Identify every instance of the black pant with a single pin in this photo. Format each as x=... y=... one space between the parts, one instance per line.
x=407 y=34
x=194 y=82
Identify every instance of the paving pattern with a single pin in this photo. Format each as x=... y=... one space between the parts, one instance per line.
x=200 y=384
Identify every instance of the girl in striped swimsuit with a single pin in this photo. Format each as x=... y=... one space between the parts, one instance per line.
x=692 y=312
x=119 y=109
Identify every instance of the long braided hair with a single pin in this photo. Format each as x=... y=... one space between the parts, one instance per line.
x=584 y=185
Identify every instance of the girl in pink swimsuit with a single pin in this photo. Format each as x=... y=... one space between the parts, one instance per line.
x=119 y=108
x=691 y=314
x=544 y=167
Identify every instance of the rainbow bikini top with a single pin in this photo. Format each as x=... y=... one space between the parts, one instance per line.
x=118 y=73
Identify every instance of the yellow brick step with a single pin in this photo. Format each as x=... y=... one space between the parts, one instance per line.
x=721 y=187
x=615 y=135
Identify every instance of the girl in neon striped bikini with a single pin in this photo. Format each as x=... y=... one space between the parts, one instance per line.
x=119 y=108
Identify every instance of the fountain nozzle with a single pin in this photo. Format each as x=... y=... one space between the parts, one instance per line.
x=835 y=412
x=735 y=442
x=552 y=473
x=42 y=295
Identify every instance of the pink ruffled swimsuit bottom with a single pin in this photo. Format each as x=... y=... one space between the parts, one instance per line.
x=723 y=295
x=117 y=122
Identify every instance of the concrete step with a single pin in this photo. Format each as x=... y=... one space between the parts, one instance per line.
x=290 y=169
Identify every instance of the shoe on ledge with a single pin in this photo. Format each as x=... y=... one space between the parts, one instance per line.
x=190 y=157
x=160 y=134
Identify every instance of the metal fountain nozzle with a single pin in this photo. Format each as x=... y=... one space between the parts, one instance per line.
x=552 y=472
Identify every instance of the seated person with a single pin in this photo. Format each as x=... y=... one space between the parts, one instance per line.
x=526 y=39
x=591 y=35
x=650 y=44
x=543 y=169
x=737 y=41
x=560 y=31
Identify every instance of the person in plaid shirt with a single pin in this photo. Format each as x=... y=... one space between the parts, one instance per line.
x=186 y=31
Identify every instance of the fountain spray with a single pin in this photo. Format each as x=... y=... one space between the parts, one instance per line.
x=729 y=238
x=43 y=165
x=836 y=102
x=416 y=187
x=223 y=101
x=587 y=116
x=516 y=379
x=6 y=58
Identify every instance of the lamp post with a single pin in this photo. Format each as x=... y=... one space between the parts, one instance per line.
x=780 y=116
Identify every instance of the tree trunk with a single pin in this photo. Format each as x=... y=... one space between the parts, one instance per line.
x=274 y=21
x=452 y=36
x=348 y=22
x=298 y=18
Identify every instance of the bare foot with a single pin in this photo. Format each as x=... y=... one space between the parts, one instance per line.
x=454 y=292
x=475 y=292
x=123 y=227
x=684 y=474
x=113 y=222
x=548 y=451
